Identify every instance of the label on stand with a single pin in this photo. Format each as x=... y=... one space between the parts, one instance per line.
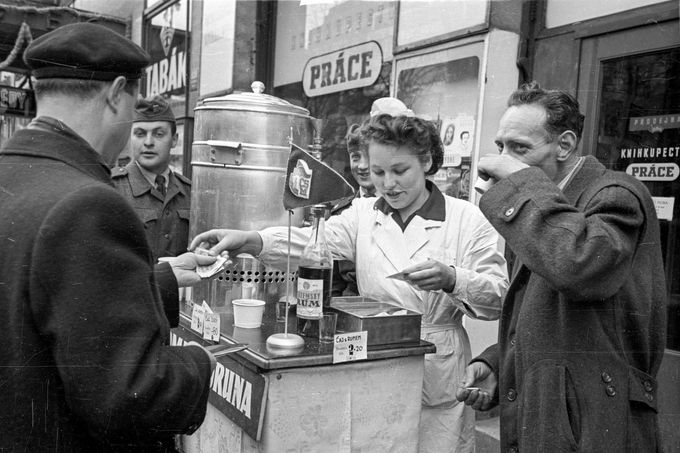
x=197 y=319
x=211 y=327
x=349 y=347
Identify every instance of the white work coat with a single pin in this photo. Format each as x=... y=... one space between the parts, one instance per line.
x=378 y=247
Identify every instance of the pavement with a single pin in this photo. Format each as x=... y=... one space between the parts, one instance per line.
x=488 y=435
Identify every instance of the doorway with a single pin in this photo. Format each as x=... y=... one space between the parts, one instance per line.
x=629 y=86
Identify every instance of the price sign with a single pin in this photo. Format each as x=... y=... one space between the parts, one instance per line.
x=349 y=347
x=197 y=318
x=211 y=328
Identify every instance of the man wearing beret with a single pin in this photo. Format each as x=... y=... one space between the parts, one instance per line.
x=85 y=364
x=161 y=197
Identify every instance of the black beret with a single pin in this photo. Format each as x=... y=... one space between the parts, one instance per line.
x=154 y=108
x=85 y=51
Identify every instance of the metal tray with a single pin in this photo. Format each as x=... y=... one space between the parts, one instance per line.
x=359 y=313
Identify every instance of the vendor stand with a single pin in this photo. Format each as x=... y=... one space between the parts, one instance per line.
x=261 y=401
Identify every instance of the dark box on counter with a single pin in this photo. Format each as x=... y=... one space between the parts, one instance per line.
x=386 y=323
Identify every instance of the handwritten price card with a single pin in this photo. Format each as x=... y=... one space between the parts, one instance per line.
x=349 y=347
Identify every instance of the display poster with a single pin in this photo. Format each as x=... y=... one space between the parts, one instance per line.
x=456 y=135
x=310 y=29
x=235 y=390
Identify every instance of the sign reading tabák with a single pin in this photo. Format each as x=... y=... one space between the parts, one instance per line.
x=345 y=69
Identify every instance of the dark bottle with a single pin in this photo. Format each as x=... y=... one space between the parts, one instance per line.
x=314 y=277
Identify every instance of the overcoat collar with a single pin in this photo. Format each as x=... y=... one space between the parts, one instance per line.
x=591 y=169
x=60 y=145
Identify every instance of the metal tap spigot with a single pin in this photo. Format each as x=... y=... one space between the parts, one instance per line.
x=317 y=145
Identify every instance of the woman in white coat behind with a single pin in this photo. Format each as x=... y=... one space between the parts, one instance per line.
x=445 y=247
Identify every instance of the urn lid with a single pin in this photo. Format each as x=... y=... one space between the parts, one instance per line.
x=254 y=101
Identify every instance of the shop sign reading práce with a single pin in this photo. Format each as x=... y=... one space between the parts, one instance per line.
x=345 y=69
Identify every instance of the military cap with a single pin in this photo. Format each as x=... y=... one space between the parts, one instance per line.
x=390 y=106
x=85 y=51
x=154 y=108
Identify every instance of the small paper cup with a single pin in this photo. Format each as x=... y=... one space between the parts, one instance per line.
x=481 y=186
x=248 y=313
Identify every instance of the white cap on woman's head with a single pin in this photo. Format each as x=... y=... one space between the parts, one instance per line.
x=390 y=106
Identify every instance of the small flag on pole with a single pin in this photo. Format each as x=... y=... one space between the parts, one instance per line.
x=309 y=181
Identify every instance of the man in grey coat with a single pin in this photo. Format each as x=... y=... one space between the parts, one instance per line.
x=582 y=332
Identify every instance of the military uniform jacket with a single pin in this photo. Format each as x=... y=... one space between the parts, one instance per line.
x=582 y=330
x=166 y=222
x=85 y=364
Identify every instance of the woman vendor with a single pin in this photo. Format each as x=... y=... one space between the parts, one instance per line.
x=445 y=248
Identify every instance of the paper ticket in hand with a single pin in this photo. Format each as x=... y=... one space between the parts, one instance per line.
x=399 y=276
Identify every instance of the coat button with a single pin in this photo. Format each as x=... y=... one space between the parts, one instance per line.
x=606 y=378
x=166 y=236
x=512 y=395
x=611 y=390
x=648 y=386
x=650 y=397
x=512 y=341
x=513 y=450
x=509 y=212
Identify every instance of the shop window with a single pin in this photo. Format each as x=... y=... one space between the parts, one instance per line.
x=639 y=133
x=448 y=94
x=165 y=38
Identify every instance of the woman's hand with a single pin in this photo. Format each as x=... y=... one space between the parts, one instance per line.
x=232 y=241
x=431 y=275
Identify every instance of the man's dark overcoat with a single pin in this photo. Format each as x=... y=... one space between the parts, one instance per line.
x=582 y=331
x=85 y=364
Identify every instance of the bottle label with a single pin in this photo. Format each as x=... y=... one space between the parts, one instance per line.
x=310 y=297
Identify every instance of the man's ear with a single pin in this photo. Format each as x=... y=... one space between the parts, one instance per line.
x=174 y=140
x=115 y=92
x=567 y=144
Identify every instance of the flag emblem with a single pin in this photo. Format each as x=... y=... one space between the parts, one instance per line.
x=301 y=190
x=300 y=180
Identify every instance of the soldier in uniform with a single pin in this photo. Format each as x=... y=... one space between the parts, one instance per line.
x=160 y=196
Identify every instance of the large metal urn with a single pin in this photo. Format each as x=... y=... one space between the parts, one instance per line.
x=239 y=159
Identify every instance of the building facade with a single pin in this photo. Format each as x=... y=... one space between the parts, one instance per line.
x=452 y=61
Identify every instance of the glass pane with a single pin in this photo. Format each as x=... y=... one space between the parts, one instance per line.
x=639 y=132
x=447 y=93
x=166 y=39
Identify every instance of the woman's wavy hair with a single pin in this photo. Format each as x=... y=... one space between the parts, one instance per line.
x=419 y=135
